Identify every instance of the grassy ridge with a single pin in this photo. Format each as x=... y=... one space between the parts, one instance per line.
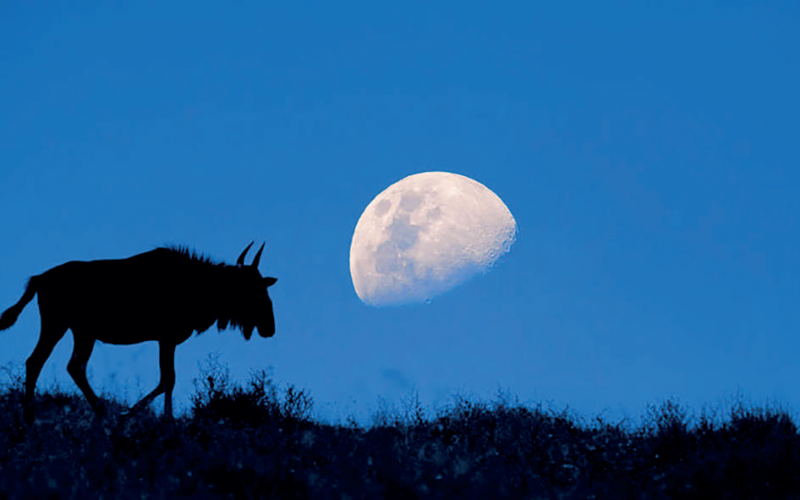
x=256 y=441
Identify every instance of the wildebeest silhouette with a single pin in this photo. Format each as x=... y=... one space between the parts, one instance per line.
x=165 y=295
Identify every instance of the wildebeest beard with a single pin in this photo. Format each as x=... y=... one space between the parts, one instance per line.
x=225 y=321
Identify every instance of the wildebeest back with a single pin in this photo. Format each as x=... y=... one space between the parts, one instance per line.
x=123 y=301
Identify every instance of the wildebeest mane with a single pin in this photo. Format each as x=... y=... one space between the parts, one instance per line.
x=192 y=255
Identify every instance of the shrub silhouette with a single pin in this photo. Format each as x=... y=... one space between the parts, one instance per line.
x=217 y=398
x=258 y=440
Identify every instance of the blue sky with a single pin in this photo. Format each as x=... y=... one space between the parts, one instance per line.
x=649 y=154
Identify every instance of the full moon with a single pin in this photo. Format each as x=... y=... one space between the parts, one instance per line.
x=426 y=234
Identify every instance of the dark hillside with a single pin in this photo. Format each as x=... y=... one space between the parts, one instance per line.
x=259 y=442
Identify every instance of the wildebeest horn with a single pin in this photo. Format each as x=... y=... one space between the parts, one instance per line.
x=258 y=255
x=240 y=260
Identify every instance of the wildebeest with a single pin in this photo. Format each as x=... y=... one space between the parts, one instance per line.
x=165 y=295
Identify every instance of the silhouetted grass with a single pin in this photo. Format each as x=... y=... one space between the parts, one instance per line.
x=259 y=441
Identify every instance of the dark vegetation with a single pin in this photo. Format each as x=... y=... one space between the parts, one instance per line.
x=259 y=441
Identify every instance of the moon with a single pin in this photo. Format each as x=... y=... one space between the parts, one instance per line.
x=425 y=235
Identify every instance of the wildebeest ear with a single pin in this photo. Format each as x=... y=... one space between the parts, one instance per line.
x=270 y=281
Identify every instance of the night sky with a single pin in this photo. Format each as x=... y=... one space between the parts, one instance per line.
x=649 y=154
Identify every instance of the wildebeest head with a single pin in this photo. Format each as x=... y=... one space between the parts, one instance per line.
x=250 y=305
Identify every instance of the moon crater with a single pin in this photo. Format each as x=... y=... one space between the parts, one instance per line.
x=427 y=234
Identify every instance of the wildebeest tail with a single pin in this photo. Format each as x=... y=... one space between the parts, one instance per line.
x=9 y=317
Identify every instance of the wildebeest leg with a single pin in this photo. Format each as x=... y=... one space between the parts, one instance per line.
x=166 y=360
x=48 y=338
x=77 y=369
